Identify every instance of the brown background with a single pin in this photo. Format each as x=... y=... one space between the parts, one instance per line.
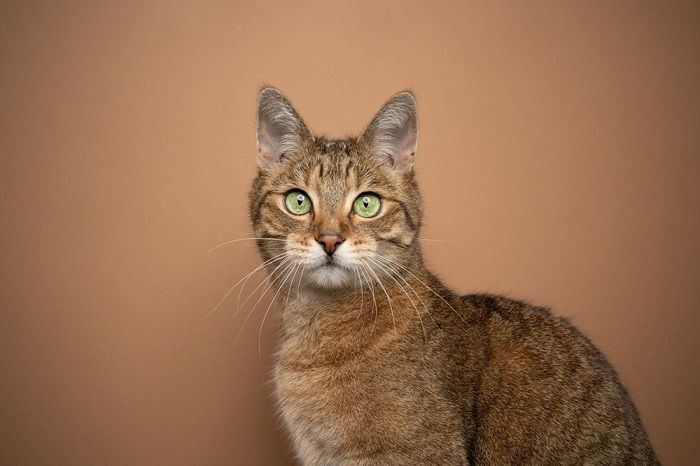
x=558 y=155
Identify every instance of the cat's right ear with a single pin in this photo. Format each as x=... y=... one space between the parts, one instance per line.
x=280 y=129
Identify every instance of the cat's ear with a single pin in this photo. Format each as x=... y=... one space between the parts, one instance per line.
x=280 y=129
x=392 y=135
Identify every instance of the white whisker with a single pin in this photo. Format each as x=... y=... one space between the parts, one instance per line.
x=422 y=283
x=441 y=240
x=280 y=286
x=269 y=286
x=291 y=285
x=267 y=262
x=285 y=261
x=362 y=293
x=242 y=239
x=303 y=269
x=388 y=263
x=374 y=301
x=384 y=267
x=391 y=307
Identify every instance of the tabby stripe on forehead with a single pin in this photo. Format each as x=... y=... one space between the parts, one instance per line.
x=347 y=169
x=314 y=174
x=307 y=177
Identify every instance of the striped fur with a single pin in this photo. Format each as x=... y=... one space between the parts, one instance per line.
x=379 y=363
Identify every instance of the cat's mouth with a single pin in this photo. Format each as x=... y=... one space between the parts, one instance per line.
x=331 y=273
x=330 y=262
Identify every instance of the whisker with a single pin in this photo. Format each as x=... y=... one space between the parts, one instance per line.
x=270 y=279
x=391 y=307
x=270 y=285
x=291 y=285
x=303 y=269
x=241 y=239
x=384 y=267
x=267 y=262
x=288 y=258
x=422 y=283
x=374 y=301
x=240 y=290
x=360 y=311
x=294 y=268
x=362 y=293
x=441 y=240
x=425 y=307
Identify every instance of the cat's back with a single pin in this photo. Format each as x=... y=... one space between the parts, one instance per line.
x=547 y=394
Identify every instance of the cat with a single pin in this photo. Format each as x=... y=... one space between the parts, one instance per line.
x=379 y=363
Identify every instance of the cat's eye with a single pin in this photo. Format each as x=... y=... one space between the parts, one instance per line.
x=297 y=202
x=367 y=205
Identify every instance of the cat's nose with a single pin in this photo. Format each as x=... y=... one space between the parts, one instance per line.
x=329 y=241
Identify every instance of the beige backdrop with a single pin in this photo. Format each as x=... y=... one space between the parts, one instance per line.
x=558 y=156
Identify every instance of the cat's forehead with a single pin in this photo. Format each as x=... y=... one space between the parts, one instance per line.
x=332 y=172
x=333 y=147
x=332 y=169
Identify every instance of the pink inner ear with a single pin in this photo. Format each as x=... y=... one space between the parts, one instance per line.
x=266 y=145
x=393 y=131
x=396 y=152
x=280 y=129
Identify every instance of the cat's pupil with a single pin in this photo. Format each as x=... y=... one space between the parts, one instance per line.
x=300 y=198
x=365 y=201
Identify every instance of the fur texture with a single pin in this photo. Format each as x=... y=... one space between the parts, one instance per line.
x=379 y=363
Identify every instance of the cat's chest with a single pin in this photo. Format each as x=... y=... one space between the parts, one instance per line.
x=332 y=406
x=330 y=398
x=362 y=407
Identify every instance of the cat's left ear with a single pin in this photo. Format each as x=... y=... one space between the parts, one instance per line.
x=280 y=131
x=392 y=135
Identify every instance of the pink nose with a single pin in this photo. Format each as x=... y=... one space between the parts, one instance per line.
x=330 y=242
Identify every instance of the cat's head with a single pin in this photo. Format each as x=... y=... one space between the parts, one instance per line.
x=335 y=211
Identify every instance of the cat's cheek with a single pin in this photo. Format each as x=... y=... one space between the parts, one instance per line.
x=403 y=236
x=300 y=240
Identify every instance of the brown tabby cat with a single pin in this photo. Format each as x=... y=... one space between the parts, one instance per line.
x=379 y=363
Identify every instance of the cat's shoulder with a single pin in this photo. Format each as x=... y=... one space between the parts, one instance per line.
x=530 y=342
x=504 y=307
x=516 y=320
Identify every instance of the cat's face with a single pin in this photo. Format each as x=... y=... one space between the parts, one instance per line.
x=335 y=212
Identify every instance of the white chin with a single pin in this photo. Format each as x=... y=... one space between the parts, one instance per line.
x=330 y=276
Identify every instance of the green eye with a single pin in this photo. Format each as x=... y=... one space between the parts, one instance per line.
x=297 y=202
x=367 y=205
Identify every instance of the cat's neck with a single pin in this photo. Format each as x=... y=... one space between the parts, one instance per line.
x=323 y=327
